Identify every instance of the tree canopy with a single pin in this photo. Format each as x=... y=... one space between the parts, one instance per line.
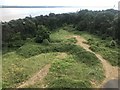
x=103 y=23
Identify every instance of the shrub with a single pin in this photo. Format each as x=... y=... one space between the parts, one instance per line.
x=42 y=33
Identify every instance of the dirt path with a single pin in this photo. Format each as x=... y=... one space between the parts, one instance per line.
x=37 y=77
x=110 y=71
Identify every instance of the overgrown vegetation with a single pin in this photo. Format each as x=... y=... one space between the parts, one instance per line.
x=102 y=23
x=75 y=68
x=35 y=42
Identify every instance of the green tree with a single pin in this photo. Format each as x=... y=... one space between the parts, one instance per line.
x=42 y=33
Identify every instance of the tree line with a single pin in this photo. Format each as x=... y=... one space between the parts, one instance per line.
x=103 y=23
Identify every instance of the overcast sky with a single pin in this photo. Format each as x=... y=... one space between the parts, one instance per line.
x=99 y=3
x=8 y=14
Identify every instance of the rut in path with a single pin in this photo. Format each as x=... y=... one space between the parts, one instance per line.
x=111 y=72
x=37 y=77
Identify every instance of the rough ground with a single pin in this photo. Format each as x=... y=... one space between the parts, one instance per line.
x=111 y=72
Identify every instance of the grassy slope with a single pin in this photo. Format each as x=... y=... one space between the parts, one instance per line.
x=69 y=72
x=72 y=71
x=17 y=68
x=75 y=70
x=60 y=35
x=98 y=45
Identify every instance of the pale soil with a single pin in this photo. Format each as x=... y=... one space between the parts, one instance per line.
x=111 y=72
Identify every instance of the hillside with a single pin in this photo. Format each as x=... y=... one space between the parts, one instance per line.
x=68 y=66
x=61 y=50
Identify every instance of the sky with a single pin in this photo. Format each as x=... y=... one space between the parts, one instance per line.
x=96 y=3
x=8 y=14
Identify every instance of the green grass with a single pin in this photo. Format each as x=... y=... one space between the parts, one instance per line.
x=17 y=69
x=100 y=46
x=72 y=70
x=31 y=49
x=70 y=73
x=76 y=70
x=60 y=36
x=58 y=42
x=69 y=83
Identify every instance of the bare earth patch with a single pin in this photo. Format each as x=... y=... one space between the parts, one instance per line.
x=111 y=72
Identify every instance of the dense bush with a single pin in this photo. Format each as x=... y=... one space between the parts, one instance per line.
x=42 y=33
